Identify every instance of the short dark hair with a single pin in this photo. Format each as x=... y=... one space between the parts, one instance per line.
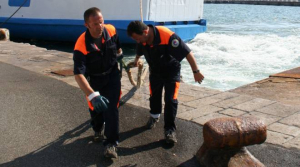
x=89 y=12
x=136 y=27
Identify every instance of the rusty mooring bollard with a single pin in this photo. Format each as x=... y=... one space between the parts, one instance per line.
x=4 y=34
x=225 y=140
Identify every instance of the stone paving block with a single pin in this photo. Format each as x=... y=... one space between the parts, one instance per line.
x=128 y=95
x=279 y=109
x=285 y=129
x=195 y=93
x=124 y=92
x=233 y=101
x=186 y=87
x=277 y=138
x=140 y=103
x=293 y=143
x=140 y=96
x=139 y=99
x=185 y=115
x=55 y=66
x=202 y=120
x=253 y=104
x=3 y=55
x=126 y=85
x=183 y=108
x=190 y=87
x=233 y=112
x=204 y=89
x=202 y=102
x=38 y=67
x=268 y=119
x=185 y=98
x=67 y=62
x=54 y=58
x=29 y=54
x=6 y=52
x=144 y=90
x=70 y=80
x=61 y=54
x=225 y=95
x=195 y=113
x=292 y=120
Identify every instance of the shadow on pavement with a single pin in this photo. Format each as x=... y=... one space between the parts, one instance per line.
x=64 y=152
x=138 y=146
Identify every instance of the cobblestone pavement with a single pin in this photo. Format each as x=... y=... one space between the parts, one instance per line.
x=197 y=104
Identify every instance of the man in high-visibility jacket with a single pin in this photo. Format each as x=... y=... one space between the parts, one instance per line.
x=164 y=51
x=97 y=74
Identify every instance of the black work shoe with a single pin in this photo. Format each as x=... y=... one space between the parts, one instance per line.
x=170 y=136
x=110 y=151
x=99 y=136
x=151 y=122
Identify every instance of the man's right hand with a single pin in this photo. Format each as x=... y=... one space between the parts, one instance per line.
x=100 y=104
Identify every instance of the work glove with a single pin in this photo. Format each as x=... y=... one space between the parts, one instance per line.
x=100 y=104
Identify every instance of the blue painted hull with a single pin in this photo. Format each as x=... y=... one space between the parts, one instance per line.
x=69 y=30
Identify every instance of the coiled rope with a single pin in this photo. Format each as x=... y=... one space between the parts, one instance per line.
x=142 y=72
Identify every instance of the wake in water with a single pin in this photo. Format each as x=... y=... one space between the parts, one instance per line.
x=229 y=61
x=244 y=44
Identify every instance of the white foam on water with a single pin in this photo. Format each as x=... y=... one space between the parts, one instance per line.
x=230 y=60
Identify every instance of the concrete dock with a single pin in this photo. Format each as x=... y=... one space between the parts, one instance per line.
x=197 y=104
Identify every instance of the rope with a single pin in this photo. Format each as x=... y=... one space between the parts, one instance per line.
x=141 y=9
x=141 y=72
x=140 y=75
x=14 y=12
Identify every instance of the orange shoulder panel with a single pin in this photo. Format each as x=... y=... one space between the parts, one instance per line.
x=80 y=44
x=111 y=29
x=165 y=34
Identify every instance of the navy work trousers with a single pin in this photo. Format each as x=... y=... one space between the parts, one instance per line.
x=109 y=86
x=171 y=86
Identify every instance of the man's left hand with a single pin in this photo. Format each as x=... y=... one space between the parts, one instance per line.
x=198 y=77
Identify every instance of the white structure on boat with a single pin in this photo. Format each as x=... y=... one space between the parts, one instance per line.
x=63 y=19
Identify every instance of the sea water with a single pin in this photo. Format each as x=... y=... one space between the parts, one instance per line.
x=244 y=44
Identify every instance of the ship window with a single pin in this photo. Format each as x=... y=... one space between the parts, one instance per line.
x=19 y=3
